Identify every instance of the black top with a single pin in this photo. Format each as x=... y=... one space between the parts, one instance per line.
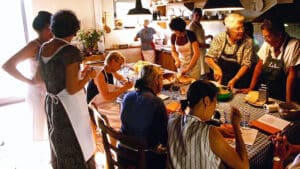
x=54 y=71
x=92 y=90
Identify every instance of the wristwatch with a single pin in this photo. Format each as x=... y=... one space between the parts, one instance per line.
x=276 y=158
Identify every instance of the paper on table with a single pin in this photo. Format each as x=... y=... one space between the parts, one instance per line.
x=273 y=121
x=249 y=135
x=162 y=96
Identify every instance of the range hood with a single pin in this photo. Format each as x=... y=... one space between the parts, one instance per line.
x=139 y=10
x=288 y=12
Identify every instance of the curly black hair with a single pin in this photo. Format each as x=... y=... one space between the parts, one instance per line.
x=64 y=23
x=177 y=24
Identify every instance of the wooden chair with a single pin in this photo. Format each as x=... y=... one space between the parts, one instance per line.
x=136 y=152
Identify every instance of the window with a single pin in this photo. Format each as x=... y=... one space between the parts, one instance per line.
x=12 y=39
x=122 y=7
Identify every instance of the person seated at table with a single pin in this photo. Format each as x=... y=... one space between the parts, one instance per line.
x=144 y=116
x=230 y=53
x=283 y=150
x=195 y=144
x=185 y=49
x=104 y=81
x=278 y=57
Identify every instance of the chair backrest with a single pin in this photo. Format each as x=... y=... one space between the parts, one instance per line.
x=137 y=153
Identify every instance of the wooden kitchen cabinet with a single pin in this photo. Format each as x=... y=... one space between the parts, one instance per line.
x=165 y=59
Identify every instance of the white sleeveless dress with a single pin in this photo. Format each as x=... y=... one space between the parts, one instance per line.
x=35 y=99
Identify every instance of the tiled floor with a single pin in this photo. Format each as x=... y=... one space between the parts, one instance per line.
x=19 y=151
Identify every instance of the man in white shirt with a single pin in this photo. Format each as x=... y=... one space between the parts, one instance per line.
x=278 y=57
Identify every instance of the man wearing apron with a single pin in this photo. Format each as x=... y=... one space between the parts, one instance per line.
x=230 y=53
x=185 y=49
x=197 y=28
x=148 y=47
x=278 y=57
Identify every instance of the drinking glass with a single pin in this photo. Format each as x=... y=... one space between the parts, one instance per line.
x=245 y=120
x=175 y=89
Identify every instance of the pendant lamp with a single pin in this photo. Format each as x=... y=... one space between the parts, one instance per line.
x=223 y=5
x=139 y=10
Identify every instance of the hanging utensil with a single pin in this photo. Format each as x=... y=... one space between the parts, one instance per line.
x=105 y=27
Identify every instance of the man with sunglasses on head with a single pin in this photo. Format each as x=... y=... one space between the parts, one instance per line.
x=278 y=59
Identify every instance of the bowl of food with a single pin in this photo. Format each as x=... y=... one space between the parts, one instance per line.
x=168 y=80
x=224 y=93
x=289 y=111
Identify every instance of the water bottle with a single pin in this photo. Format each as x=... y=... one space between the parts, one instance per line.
x=263 y=93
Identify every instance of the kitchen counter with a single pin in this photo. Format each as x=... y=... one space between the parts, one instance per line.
x=165 y=59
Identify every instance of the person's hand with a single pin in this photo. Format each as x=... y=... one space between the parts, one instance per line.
x=235 y=116
x=245 y=90
x=282 y=148
x=184 y=71
x=218 y=75
x=231 y=83
x=128 y=85
x=91 y=73
x=226 y=130
x=33 y=81
x=177 y=63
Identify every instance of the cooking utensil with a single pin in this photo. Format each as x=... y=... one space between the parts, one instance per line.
x=105 y=27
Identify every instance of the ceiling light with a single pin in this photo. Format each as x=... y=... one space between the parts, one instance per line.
x=223 y=5
x=139 y=10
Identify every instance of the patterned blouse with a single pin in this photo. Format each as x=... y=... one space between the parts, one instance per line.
x=244 y=48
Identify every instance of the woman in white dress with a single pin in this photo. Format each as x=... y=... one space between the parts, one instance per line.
x=36 y=92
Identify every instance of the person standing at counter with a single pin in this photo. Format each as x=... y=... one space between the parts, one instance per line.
x=36 y=92
x=70 y=131
x=278 y=57
x=195 y=144
x=148 y=47
x=144 y=115
x=197 y=28
x=230 y=53
x=104 y=81
x=185 y=49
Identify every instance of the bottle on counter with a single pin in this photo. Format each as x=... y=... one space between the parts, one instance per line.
x=263 y=93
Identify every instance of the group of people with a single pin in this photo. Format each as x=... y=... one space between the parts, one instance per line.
x=191 y=141
x=231 y=55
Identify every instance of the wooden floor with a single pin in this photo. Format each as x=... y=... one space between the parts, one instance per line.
x=18 y=150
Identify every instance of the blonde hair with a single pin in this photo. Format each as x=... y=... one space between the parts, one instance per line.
x=149 y=77
x=146 y=22
x=114 y=55
x=233 y=19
